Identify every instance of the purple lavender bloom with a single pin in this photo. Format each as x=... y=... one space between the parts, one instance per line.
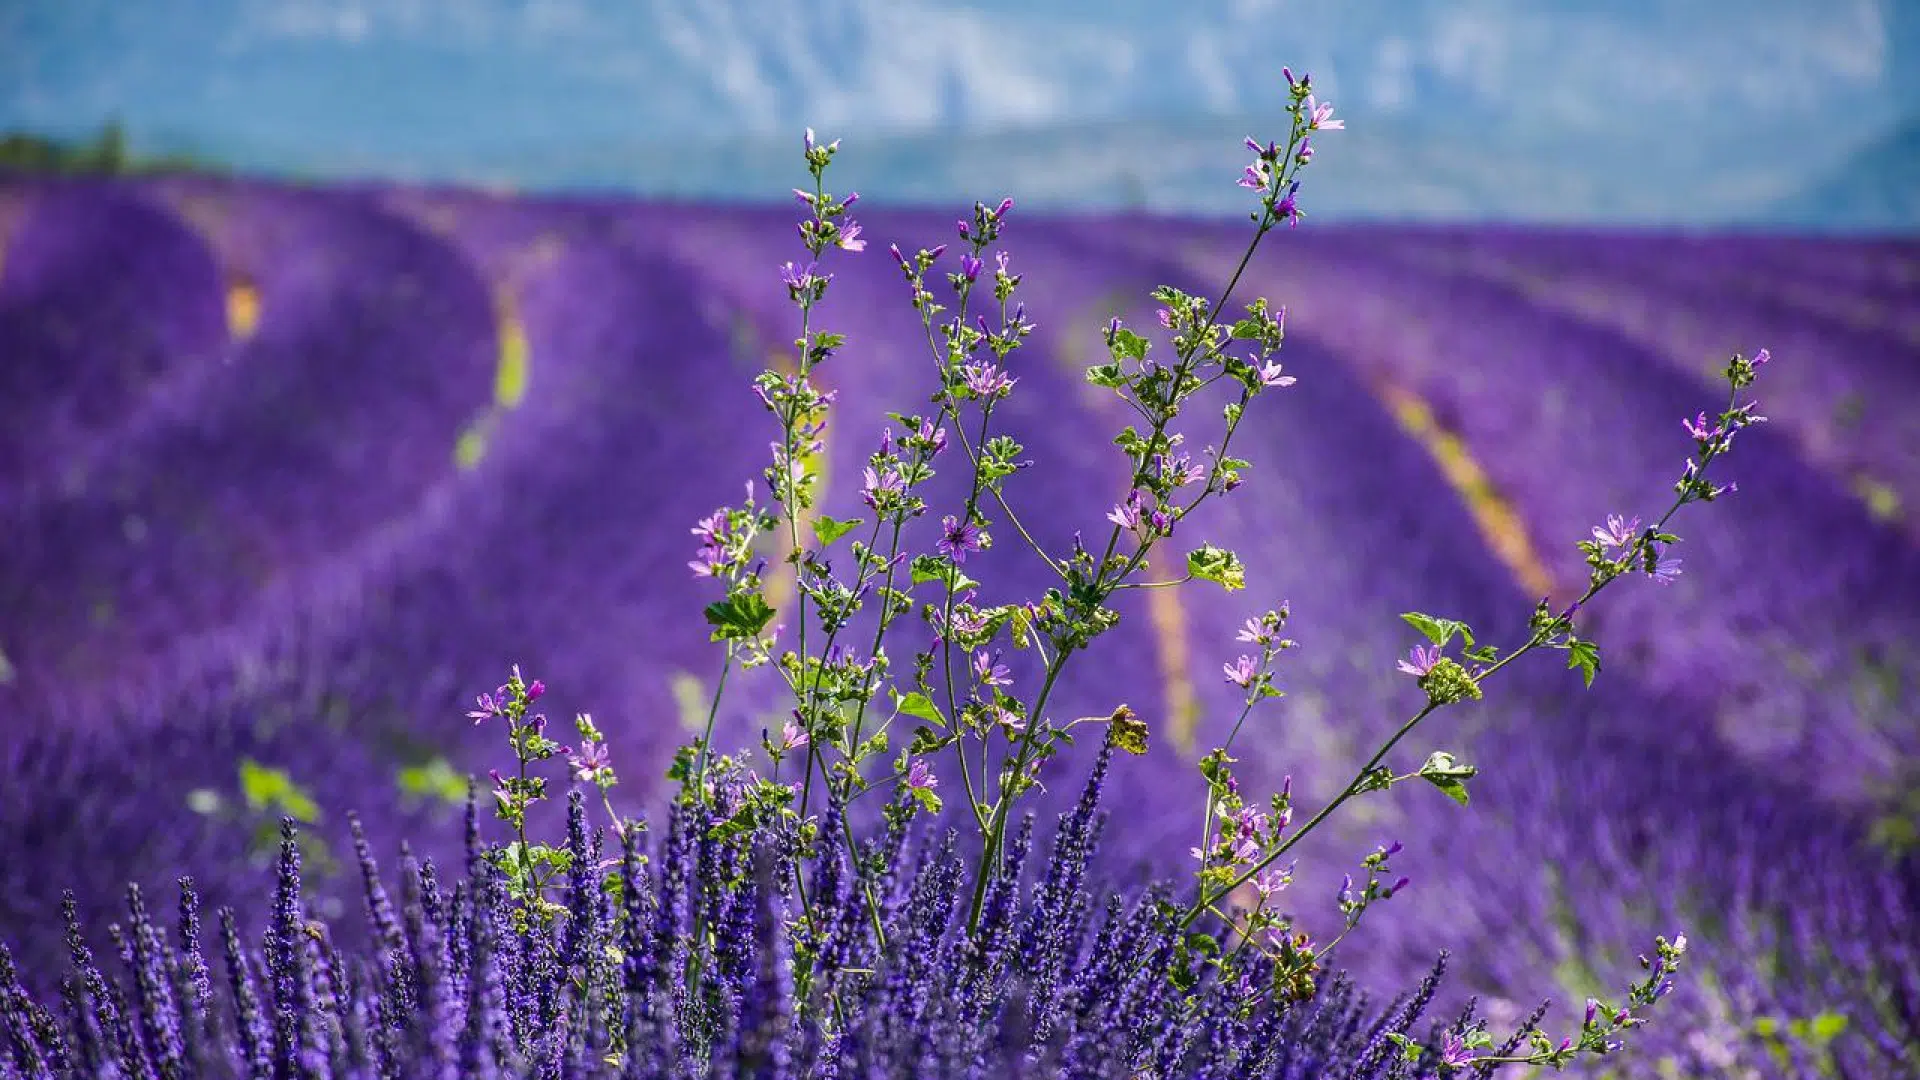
x=1617 y=532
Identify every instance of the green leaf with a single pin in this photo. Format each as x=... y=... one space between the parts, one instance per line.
x=1215 y=564
x=928 y=801
x=920 y=705
x=1128 y=345
x=1107 y=375
x=826 y=529
x=1439 y=631
x=1584 y=655
x=926 y=740
x=739 y=617
x=680 y=770
x=1444 y=772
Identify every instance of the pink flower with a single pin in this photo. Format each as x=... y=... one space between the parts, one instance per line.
x=1270 y=375
x=850 y=237
x=792 y=736
x=1242 y=672
x=1420 y=660
x=588 y=763
x=920 y=777
x=1617 y=532
x=485 y=707
x=1320 y=116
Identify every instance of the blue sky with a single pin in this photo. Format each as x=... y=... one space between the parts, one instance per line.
x=1670 y=94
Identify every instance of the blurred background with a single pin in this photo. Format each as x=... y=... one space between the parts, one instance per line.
x=1771 y=113
x=354 y=350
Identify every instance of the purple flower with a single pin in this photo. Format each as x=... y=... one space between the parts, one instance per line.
x=1270 y=376
x=1453 y=1050
x=711 y=562
x=1289 y=206
x=987 y=380
x=793 y=736
x=1320 y=116
x=1127 y=514
x=1255 y=632
x=957 y=538
x=1617 y=532
x=883 y=483
x=850 y=236
x=1665 y=569
x=970 y=266
x=1256 y=177
x=1420 y=660
x=988 y=671
x=588 y=763
x=803 y=278
x=1701 y=430
x=936 y=437
x=1242 y=672
x=485 y=707
x=920 y=777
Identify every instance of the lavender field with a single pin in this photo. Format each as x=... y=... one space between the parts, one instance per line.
x=287 y=475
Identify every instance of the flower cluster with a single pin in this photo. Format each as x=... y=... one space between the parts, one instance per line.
x=685 y=958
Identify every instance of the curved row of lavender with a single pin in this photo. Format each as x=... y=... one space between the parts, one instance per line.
x=289 y=474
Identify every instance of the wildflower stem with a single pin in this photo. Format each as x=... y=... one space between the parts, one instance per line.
x=706 y=737
x=1354 y=786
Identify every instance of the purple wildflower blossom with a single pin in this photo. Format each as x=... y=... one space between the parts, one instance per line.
x=589 y=761
x=1420 y=660
x=1665 y=569
x=484 y=708
x=1617 y=532
x=1242 y=672
x=988 y=380
x=1320 y=116
x=989 y=671
x=957 y=538
x=920 y=777
x=1289 y=205
x=1270 y=375
x=793 y=736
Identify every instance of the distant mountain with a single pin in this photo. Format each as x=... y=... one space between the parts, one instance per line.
x=1631 y=110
